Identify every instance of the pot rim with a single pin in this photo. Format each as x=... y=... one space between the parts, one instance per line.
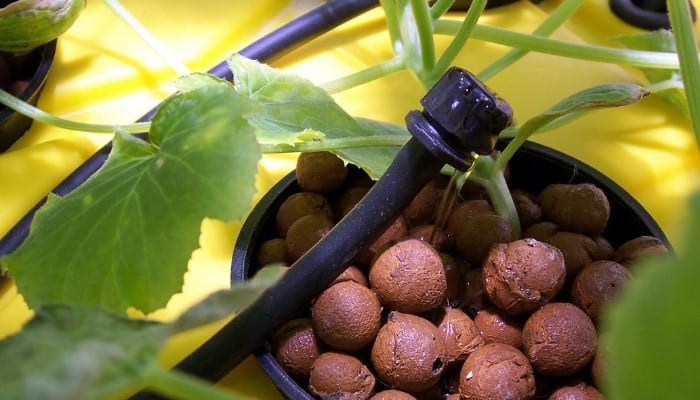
x=13 y=123
x=572 y=170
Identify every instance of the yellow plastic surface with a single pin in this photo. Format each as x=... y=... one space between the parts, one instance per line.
x=104 y=73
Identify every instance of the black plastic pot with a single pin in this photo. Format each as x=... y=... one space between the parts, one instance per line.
x=35 y=68
x=532 y=168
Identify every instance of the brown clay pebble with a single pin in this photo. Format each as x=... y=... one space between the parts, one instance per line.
x=340 y=376
x=421 y=209
x=352 y=273
x=428 y=233
x=541 y=231
x=529 y=212
x=398 y=230
x=321 y=172
x=474 y=297
x=605 y=249
x=304 y=233
x=596 y=284
x=392 y=394
x=455 y=269
x=580 y=391
x=578 y=249
x=638 y=248
x=497 y=371
x=408 y=353
x=409 y=277
x=459 y=333
x=272 y=251
x=479 y=233
x=348 y=199
x=581 y=208
x=521 y=276
x=298 y=205
x=495 y=326
x=346 y=316
x=464 y=211
x=559 y=339
x=296 y=347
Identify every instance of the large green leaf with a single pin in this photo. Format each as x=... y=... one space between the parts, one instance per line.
x=77 y=352
x=653 y=340
x=123 y=238
x=293 y=108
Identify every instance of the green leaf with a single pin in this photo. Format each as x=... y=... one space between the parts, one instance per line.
x=196 y=80
x=291 y=107
x=602 y=96
x=653 y=326
x=77 y=352
x=660 y=40
x=26 y=24
x=123 y=238
x=222 y=303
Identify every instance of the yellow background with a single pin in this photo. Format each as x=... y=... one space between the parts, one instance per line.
x=104 y=73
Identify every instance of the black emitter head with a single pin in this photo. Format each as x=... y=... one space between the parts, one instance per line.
x=460 y=117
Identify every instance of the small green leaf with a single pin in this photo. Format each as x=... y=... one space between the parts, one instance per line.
x=602 y=96
x=291 y=106
x=123 y=238
x=72 y=352
x=653 y=346
x=27 y=24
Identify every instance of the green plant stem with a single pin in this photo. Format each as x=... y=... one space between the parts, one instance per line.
x=554 y=21
x=39 y=115
x=177 y=65
x=177 y=385
x=637 y=58
x=466 y=27
x=488 y=173
x=366 y=75
x=392 y=23
x=335 y=144
x=440 y=7
x=424 y=25
x=665 y=85
x=687 y=48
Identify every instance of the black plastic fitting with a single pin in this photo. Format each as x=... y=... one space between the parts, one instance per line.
x=646 y=14
x=460 y=116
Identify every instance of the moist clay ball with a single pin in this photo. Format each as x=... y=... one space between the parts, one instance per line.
x=521 y=276
x=298 y=205
x=497 y=371
x=581 y=208
x=559 y=339
x=321 y=172
x=596 y=284
x=296 y=347
x=496 y=326
x=346 y=316
x=340 y=376
x=304 y=233
x=408 y=353
x=409 y=277
x=460 y=334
